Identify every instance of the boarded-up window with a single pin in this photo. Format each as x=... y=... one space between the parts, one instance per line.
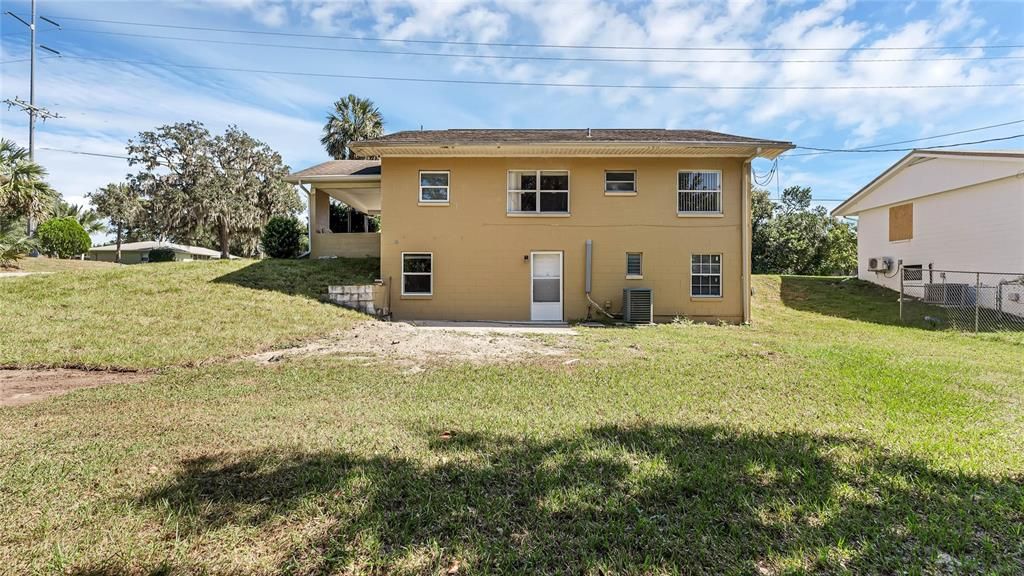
x=901 y=222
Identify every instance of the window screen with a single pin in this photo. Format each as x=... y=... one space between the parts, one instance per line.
x=634 y=264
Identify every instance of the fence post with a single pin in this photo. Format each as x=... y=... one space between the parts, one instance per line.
x=977 y=298
x=901 y=294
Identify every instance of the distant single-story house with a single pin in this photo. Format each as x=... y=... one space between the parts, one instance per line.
x=952 y=210
x=138 y=252
x=548 y=225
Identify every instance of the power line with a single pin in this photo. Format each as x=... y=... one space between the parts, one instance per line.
x=83 y=153
x=979 y=129
x=863 y=150
x=543 y=84
x=529 y=45
x=536 y=58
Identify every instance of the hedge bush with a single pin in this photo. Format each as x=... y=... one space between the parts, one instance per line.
x=161 y=255
x=63 y=237
x=282 y=237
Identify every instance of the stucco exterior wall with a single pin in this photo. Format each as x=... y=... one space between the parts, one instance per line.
x=350 y=245
x=481 y=267
x=978 y=228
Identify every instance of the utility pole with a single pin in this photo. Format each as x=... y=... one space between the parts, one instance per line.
x=30 y=106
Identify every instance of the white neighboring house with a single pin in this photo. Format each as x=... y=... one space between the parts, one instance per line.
x=936 y=219
x=138 y=252
x=944 y=210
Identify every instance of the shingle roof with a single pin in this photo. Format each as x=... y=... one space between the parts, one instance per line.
x=340 y=168
x=539 y=136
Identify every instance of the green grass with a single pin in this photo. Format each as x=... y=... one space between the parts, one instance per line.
x=158 y=315
x=821 y=439
x=44 y=264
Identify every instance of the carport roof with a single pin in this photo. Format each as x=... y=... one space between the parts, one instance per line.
x=351 y=168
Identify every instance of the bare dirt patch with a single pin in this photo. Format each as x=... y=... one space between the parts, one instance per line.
x=19 y=387
x=414 y=347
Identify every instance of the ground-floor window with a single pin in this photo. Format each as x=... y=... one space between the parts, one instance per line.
x=634 y=265
x=706 y=275
x=912 y=272
x=417 y=273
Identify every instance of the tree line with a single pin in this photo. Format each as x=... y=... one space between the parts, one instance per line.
x=791 y=237
x=188 y=186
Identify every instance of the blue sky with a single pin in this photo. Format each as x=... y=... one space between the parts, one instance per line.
x=104 y=103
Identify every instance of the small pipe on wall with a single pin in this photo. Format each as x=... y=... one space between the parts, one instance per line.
x=589 y=282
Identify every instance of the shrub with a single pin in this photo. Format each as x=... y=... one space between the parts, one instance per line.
x=282 y=237
x=161 y=255
x=62 y=237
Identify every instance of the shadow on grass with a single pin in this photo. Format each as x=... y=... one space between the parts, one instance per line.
x=855 y=299
x=309 y=278
x=639 y=499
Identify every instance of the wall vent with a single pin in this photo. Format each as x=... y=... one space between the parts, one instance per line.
x=638 y=305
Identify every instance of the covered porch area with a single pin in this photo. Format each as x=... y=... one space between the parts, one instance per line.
x=354 y=183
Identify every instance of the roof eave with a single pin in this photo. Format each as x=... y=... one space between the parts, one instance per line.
x=299 y=179
x=766 y=149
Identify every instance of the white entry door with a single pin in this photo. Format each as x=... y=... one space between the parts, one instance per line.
x=546 y=286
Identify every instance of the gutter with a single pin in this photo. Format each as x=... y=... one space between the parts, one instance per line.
x=334 y=178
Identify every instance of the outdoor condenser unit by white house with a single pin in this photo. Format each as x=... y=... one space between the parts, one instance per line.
x=879 y=264
x=638 y=305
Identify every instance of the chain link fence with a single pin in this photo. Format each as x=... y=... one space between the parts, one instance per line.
x=960 y=300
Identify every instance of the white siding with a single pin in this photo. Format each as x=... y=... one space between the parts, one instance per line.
x=978 y=228
x=934 y=175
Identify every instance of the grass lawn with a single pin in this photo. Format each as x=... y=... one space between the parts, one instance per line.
x=175 y=313
x=44 y=264
x=821 y=439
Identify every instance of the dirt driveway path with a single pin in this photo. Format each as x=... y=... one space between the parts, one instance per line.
x=24 y=386
x=19 y=387
x=412 y=347
x=416 y=345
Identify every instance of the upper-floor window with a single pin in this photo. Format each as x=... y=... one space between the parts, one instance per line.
x=620 y=182
x=700 y=192
x=901 y=222
x=538 y=192
x=434 y=187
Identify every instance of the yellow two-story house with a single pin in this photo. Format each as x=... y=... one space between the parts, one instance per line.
x=549 y=225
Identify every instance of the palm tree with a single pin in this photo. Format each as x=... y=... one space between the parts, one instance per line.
x=23 y=189
x=353 y=119
x=87 y=217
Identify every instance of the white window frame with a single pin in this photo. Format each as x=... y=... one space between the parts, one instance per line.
x=538 y=191
x=447 y=189
x=431 y=273
x=639 y=276
x=721 y=195
x=721 y=288
x=608 y=192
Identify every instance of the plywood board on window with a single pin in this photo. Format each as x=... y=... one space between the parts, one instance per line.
x=901 y=222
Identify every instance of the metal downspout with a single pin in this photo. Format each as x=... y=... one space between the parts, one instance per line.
x=745 y=240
